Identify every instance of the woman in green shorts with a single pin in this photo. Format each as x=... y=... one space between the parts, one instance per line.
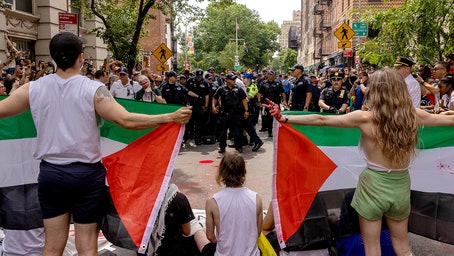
x=389 y=128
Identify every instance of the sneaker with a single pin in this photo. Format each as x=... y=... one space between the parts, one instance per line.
x=221 y=150
x=239 y=150
x=257 y=146
x=231 y=145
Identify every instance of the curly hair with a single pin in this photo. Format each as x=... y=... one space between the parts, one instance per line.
x=232 y=170
x=394 y=116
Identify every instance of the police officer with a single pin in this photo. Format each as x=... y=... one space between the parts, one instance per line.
x=233 y=108
x=173 y=92
x=198 y=99
x=301 y=95
x=273 y=90
x=334 y=99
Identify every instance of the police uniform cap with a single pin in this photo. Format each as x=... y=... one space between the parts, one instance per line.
x=211 y=69
x=270 y=71
x=297 y=66
x=337 y=75
x=403 y=62
x=199 y=73
x=207 y=76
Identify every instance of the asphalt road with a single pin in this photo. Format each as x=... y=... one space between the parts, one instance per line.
x=195 y=170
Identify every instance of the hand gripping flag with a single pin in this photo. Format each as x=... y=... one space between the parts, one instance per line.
x=316 y=168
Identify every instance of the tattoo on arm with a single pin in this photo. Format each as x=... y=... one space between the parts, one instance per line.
x=102 y=93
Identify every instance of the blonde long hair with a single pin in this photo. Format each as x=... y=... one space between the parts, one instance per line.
x=393 y=114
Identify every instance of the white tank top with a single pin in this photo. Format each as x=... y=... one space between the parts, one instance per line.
x=238 y=222
x=65 y=119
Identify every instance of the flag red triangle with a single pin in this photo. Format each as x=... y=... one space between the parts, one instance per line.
x=301 y=169
x=136 y=175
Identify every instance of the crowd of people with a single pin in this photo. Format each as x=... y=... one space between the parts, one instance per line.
x=220 y=106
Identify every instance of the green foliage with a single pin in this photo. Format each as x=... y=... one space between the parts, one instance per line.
x=421 y=29
x=289 y=58
x=215 y=34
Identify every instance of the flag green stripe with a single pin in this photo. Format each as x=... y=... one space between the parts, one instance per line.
x=9 y=126
x=429 y=137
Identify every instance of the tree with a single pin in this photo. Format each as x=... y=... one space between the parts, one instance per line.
x=218 y=29
x=421 y=29
x=289 y=58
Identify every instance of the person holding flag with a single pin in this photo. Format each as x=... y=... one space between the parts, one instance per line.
x=66 y=108
x=389 y=133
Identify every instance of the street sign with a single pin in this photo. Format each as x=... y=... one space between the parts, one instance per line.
x=162 y=53
x=237 y=67
x=360 y=28
x=347 y=44
x=162 y=67
x=344 y=33
x=357 y=59
x=68 y=22
x=348 y=53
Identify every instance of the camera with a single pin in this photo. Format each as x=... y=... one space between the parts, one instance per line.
x=50 y=64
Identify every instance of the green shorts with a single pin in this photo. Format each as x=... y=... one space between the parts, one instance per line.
x=382 y=193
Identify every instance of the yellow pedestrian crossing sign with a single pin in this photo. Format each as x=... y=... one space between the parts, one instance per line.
x=346 y=44
x=162 y=53
x=344 y=33
x=162 y=67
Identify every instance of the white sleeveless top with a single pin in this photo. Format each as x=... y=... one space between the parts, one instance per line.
x=65 y=119
x=238 y=222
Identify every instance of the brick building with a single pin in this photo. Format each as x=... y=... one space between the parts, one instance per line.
x=32 y=23
x=290 y=32
x=319 y=20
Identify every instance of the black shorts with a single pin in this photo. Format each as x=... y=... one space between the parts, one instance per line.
x=77 y=188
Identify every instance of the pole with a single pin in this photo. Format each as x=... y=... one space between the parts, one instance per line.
x=236 y=35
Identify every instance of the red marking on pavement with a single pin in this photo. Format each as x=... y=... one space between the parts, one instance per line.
x=206 y=161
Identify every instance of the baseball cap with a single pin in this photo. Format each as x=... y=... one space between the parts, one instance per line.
x=123 y=70
x=231 y=76
x=207 y=75
x=297 y=66
x=64 y=48
x=211 y=69
x=171 y=73
x=403 y=62
x=270 y=71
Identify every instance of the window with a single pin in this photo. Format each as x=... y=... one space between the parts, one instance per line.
x=21 y=5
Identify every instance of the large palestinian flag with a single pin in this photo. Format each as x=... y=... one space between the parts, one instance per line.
x=316 y=170
x=138 y=174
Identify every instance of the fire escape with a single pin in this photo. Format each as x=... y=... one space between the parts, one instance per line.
x=322 y=26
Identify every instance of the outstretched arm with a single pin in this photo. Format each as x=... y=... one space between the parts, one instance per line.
x=17 y=103
x=444 y=119
x=109 y=109
x=350 y=120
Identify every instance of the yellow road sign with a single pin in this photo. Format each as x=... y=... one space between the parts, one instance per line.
x=162 y=67
x=162 y=53
x=344 y=33
x=347 y=44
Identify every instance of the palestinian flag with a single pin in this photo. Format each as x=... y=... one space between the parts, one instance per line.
x=316 y=170
x=138 y=174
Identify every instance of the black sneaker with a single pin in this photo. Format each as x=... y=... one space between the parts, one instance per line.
x=231 y=145
x=221 y=150
x=257 y=146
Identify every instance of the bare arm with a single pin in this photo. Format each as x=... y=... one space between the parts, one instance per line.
x=17 y=103
x=444 y=119
x=186 y=227
x=109 y=109
x=210 y=209
x=351 y=120
x=308 y=100
x=268 y=221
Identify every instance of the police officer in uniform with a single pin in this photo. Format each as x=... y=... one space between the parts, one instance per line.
x=173 y=92
x=301 y=95
x=198 y=99
x=231 y=102
x=334 y=99
x=273 y=90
